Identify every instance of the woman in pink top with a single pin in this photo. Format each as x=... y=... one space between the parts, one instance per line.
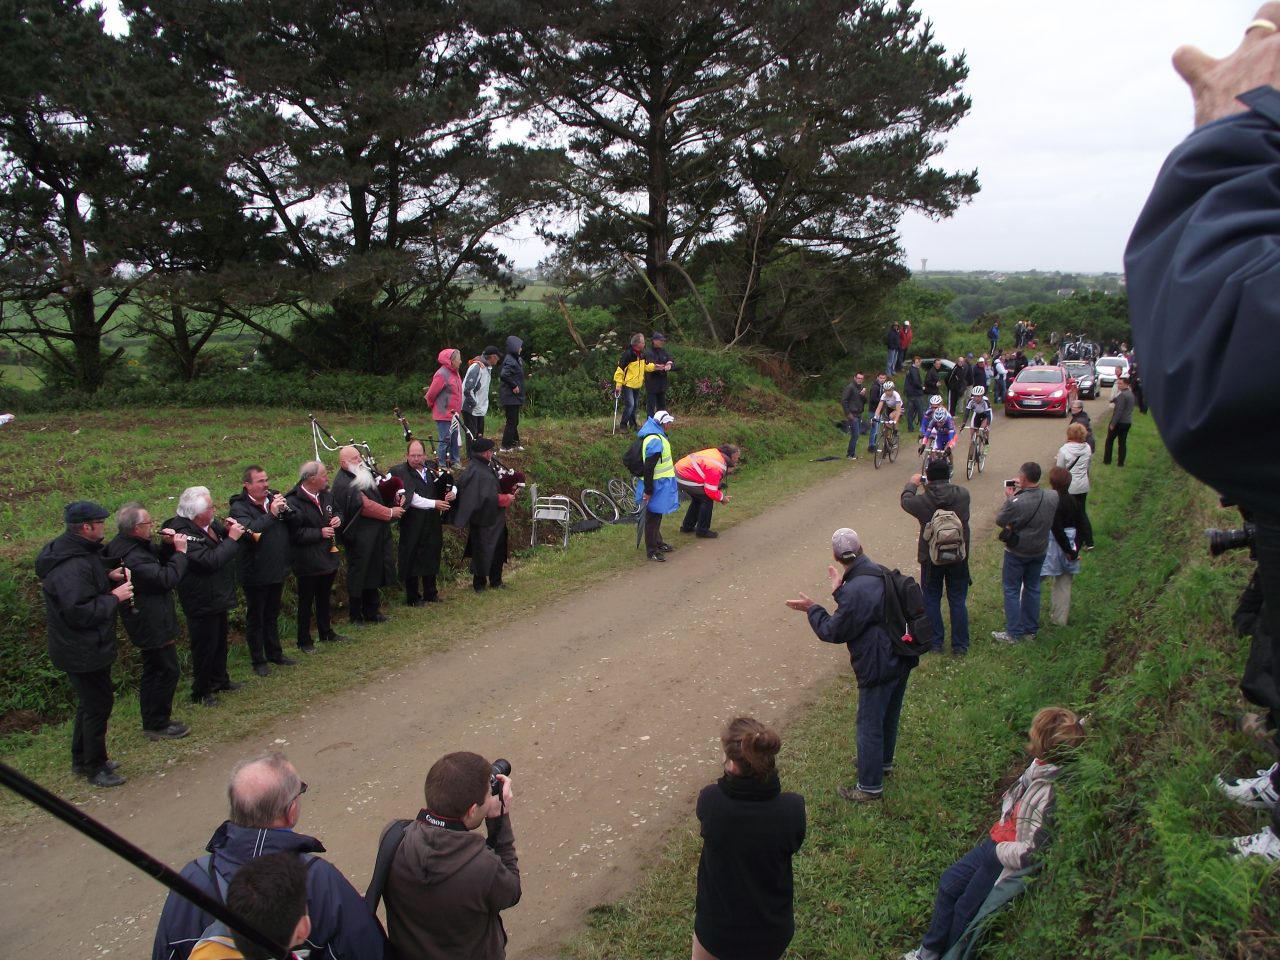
x=444 y=397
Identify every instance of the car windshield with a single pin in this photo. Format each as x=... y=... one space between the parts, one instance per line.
x=1078 y=369
x=1039 y=376
x=1112 y=362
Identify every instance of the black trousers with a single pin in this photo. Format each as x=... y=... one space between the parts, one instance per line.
x=94 y=699
x=698 y=516
x=262 y=621
x=476 y=426
x=1116 y=433
x=159 y=682
x=653 y=402
x=208 y=635
x=364 y=606
x=511 y=431
x=420 y=588
x=314 y=591
x=1086 y=526
x=652 y=531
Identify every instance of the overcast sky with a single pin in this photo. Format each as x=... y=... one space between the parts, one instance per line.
x=1075 y=106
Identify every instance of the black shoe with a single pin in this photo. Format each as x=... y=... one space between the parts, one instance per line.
x=285 y=662
x=376 y=618
x=435 y=599
x=262 y=670
x=415 y=603
x=686 y=529
x=174 y=731
x=666 y=547
x=107 y=778
x=80 y=770
x=657 y=555
x=357 y=622
x=334 y=638
x=231 y=686
x=498 y=586
x=307 y=648
x=708 y=534
x=208 y=700
x=479 y=587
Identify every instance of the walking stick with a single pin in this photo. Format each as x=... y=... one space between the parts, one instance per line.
x=614 y=429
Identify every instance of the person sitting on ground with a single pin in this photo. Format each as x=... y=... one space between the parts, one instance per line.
x=270 y=893
x=1015 y=839
x=448 y=885
x=1062 y=562
x=750 y=831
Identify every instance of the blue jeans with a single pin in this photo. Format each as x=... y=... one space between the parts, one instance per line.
x=963 y=887
x=629 y=397
x=855 y=433
x=877 y=734
x=1021 y=579
x=447 y=442
x=891 y=362
x=955 y=576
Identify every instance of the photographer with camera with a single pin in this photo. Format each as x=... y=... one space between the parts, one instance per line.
x=447 y=885
x=1203 y=277
x=1025 y=519
x=263 y=566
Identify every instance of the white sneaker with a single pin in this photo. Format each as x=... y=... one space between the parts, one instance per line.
x=1265 y=844
x=1004 y=637
x=1256 y=792
x=920 y=953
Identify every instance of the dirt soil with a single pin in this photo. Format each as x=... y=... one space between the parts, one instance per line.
x=608 y=704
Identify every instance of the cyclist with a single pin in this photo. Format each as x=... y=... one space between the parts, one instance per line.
x=940 y=430
x=979 y=413
x=890 y=406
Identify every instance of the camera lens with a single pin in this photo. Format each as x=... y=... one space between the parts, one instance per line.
x=502 y=767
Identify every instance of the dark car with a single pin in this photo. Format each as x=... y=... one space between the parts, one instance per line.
x=1040 y=390
x=1086 y=380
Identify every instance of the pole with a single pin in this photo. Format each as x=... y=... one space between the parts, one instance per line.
x=79 y=820
x=614 y=429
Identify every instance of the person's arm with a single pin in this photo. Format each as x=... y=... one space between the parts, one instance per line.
x=471 y=387
x=650 y=464
x=250 y=517
x=376 y=511
x=151 y=575
x=79 y=604
x=340 y=919
x=504 y=886
x=433 y=391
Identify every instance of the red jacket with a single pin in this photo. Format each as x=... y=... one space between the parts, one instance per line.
x=444 y=396
x=706 y=467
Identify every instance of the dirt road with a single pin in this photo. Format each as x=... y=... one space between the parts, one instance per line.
x=608 y=704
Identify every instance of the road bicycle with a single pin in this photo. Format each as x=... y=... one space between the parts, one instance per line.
x=886 y=450
x=977 y=451
x=929 y=453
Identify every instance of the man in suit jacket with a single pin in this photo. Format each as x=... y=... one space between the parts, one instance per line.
x=429 y=493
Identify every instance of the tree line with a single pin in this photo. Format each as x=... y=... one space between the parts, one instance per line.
x=332 y=175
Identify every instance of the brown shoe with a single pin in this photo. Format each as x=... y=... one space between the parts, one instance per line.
x=857 y=795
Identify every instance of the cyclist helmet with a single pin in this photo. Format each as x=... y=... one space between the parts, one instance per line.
x=935 y=400
x=940 y=415
x=888 y=384
x=979 y=391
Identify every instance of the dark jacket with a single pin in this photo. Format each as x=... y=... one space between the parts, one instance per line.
x=79 y=608
x=446 y=889
x=342 y=928
x=1083 y=417
x=857 y=623
x=923 y=502
x=1203 y=280
x=750 y=831
x=266 y=560
x=960 y=378
x=421 y=536
x=656 y=382
x=914 y=386
x=933 y=380
x=367 y=540
x=311 y=553
x=511 y=375
x=853 y=400
x=893 y=338
x=154 y=620
x=477 y=501
x=1068 y=515
x=209 y=586
x=1030 y=513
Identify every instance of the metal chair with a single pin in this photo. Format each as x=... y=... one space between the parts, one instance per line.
x=553 y=509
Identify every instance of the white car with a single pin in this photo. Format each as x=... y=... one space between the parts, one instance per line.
x=1110 y=369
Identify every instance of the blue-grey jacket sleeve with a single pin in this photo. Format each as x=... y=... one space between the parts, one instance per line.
x=1203 y=277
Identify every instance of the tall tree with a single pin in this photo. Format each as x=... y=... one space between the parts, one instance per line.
x=365 y=129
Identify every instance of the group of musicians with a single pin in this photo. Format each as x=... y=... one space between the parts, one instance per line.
x=89 y=584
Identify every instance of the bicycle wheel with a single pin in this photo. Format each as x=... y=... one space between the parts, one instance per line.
x=600 y=506
x=893 y=447
x=576 y=513
x=971 y=460
x=878 y=454
x=623 y=496
x=982 y=455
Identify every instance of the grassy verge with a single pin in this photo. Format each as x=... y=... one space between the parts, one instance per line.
x=1138 y=868
x=109 y=459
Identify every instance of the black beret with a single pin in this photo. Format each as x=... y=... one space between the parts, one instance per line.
x=481 y=444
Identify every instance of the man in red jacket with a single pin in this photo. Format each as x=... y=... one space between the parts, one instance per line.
x=703 y=476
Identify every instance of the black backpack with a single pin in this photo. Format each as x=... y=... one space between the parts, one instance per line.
x=903 y=614
x=633 y=459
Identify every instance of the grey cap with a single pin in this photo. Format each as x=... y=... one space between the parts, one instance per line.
x=845 y=544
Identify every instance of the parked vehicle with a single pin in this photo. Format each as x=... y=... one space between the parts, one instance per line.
x=1038 y=389
x=1085 y=377
x=1111 y=369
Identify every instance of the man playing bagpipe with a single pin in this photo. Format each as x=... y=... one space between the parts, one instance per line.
x=429 y=494
x=485 y=490
x=362 y=502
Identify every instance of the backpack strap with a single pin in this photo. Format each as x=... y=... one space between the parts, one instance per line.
x=387 y=848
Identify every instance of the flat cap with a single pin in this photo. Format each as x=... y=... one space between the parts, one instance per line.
x=84 y=511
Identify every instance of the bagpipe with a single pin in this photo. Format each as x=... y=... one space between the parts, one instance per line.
x=391 y=488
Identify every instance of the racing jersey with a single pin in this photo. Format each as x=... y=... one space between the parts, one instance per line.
x=939 y=434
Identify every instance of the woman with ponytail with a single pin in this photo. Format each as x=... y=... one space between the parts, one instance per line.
x=750 y=830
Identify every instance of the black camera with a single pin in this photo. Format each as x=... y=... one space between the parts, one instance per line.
x=1220 y=541
x=499 y=767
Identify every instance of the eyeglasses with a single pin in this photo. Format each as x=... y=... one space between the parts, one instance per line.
x=300 y=792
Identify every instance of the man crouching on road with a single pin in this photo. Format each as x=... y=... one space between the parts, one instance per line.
x=882 y=673
x=447 y=884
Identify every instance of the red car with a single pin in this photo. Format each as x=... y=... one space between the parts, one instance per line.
x=1040 y=390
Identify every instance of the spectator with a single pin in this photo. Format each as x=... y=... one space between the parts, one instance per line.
x=1025 y=518
x=853 y=401
x=913 y=389
x=366 y=535
x=655 y=383
x=993 y=335
x=750 y=831
x=935 y=380
x=923 y=501
x=873 y=401
x=1062 y=561
x=152 y=626
x=448 y=885
x=269 y=892
x=905 y=336
x=958 y=383
x=429 y=495
x=481 y=510
x=265 y=796
x=1121 y=421
x=1013 y=842
x=81 y=602
x=475 y=393
x=1076 y=455
x=703 y=476
x=893 y=340
x=657 y=492
x=882 y=673
x=313 y=533
x=628 y=379
x=444 y=397
x=1079 y=415
x=999 y=377
x=263 y=566
x=511 y=394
